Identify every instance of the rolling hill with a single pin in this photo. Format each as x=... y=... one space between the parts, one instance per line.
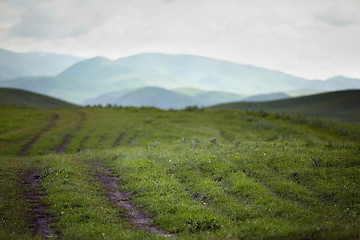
x=339 y=105
x=208 y=98
x=188 y=91
x=190 y=97
x=15 y=65
x=96 y=76
x=265 y=97
x=19 y=97
x=147 y=96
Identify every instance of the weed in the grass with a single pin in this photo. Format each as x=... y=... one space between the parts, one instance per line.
x=309 y=143
x=315 y=162
x=237 y=141
x=153 y=145
x=212 y=141
x=195 y=142
x=329 y=145
x=194 y=224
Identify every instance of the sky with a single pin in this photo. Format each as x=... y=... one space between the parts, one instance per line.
x=314 y=39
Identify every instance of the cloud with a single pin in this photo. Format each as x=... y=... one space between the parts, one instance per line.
x=63 y=19
x=336 y=21
x=340 y=14
x=305 y=38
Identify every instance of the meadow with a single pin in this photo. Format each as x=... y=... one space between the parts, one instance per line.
x=184 y=174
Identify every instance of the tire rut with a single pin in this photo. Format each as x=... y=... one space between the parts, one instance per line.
x=139 y=218
x=40 y=219
x=64 y=144
x=119 y=138
x=28 y=146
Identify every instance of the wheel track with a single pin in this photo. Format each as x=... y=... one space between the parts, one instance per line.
x=139 y=218
x=28 y=146
x=65 y=143
x=40 y=219
x=119 y=138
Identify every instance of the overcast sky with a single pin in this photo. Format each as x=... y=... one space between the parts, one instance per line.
x=315 y=39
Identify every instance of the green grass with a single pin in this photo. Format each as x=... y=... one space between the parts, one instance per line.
x=202 y=174
x=341 y=105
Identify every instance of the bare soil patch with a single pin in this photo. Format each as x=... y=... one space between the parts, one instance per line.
x=40 y=223
x=138 y=217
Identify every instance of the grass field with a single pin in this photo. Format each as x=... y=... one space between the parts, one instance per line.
x=144 y=173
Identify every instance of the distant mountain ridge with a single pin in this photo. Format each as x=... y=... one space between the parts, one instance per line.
x=93 y=77
x=14 y=64
x=265 y=97
x=162 y=98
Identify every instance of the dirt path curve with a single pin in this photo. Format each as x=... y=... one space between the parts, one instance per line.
x=64 y=144
x=28 y=146
x=139 y=218
x=40 y=223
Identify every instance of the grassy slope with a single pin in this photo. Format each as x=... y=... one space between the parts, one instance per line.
x=341 y=105
x=9 y=96
x=206 y=174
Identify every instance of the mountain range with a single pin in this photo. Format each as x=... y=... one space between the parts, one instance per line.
x=163 y=98
x=13 y=64
x=216 y=81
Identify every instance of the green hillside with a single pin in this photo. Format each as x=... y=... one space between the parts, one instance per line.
x=9 y=96
x=143 y=173
x=340 y=105
x=67 y=89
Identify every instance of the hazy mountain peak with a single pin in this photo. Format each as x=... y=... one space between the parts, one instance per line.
x=342 y=78
x=14 y=64
x=100 y=75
